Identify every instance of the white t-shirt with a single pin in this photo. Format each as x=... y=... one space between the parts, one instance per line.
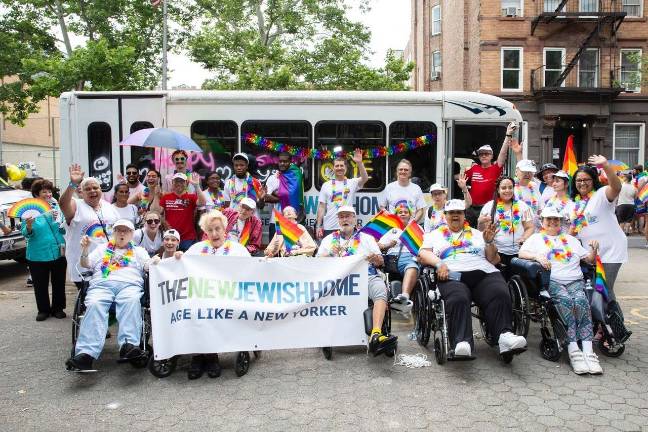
x=129 y=212
x=133 y=273
x=235 y=249
x=561 y=272
x=565 y=208
x=87 y=221
x=142 y=239
x=436 y=219
x=547 y=193
x=132 y=191
x=602 y=225
x=272 y=185
x=627 y=194
x=344 y=195
x=507 y=241
x=390 y=236
x=395 y=194
x=530 y=194
x=366 y=245
x=473 y=258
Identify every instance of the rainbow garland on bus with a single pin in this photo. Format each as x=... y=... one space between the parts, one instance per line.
x=367 y=153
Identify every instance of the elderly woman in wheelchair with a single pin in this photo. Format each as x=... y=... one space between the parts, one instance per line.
x=561 y=254
x=118 y=277
x=464 y=259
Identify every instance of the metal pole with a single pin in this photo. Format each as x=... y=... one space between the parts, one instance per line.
x=53 y=153
x=164 y=44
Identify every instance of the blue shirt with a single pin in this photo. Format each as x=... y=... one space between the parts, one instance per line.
x=44 y=242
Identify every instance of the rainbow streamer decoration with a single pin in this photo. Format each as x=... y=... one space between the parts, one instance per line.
x=569 y=162
x=600 y=283
x=29 y=207
x=96 y=231
x=643 y=194
x=244 y=238
x=412 y=237
x=381 y=223
x=288 y=229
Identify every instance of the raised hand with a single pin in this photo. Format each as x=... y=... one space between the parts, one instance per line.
x=76 y=173
x=462 y=181
x=490 y=232
x=594 y=245
x=511 y=128
x=194 y=178
x=598 y=160
x=121 y=179
x=357 y=156
x=516 y=146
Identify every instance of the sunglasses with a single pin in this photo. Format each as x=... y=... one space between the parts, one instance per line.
x=152 y=221
x=132 y=173
x=180 y=159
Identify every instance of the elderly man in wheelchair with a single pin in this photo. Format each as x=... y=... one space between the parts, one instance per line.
x=118 y=277
x=464 y=259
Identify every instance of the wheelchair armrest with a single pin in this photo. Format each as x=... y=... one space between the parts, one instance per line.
x=530 y=270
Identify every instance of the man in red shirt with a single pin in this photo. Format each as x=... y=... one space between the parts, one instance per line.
x=180 y=206
x=482 y=177
x=244 y=227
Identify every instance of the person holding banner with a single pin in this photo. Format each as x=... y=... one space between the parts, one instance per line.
x=244 y=226
x=346 y=242
x=338 y=192
x=169 y=249
x=118 y=277
x=304 y=246
x=464 y=258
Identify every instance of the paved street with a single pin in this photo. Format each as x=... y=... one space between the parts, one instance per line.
x=294 y=390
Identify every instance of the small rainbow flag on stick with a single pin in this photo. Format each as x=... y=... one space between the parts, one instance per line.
x=600 y=283
x=288 y=229
x=244 y=238
x=412 y=237
x=29 y=207
x=643 y=194
x=569 y=162
x=381 y=223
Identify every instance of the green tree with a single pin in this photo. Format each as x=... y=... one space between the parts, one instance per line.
x=289 y=44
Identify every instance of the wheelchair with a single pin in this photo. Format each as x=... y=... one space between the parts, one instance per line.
x=430 y=318
x=165 y=367
x=145 y=339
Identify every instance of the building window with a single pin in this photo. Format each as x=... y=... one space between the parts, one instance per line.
x=628 y=144
x=219 y=141
x=511 y=66
x=630 y=77
x=588 y=5
x=588 y=66
x=436 y=20
x=552 y=5
x=554 y=64
x=423 y=159
x=100 y=154
x=512 y=8
x=634 y=8
x=436 y=65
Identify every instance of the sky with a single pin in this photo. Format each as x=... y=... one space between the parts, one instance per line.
x=388 y=21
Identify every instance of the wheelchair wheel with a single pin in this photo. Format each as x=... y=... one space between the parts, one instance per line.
x=162 y=368
x=242 y=363
x=77 y=316
x=484 y=329
x=440 y=334
x=520 y=302
x=549 y=349
x=424 y=315
x=328 y=352
x=611 y=351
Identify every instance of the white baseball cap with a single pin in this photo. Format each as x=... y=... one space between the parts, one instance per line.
x=484 y=149
x=526 y=165
x=241 y=156
x=181 y=176
x=346 y=208
x=248 y=202
x=437 y=187
x=124 y=223
x=454 y=204
x=550 y=212
x=562 y=174
x=172 y=233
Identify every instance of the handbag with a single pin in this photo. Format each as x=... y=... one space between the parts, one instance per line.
x=391 y=261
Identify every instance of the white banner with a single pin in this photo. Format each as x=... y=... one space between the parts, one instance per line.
x=203 y=304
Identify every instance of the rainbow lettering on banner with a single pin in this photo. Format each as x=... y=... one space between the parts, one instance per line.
x=381 y=223
x=288 y=229
x=96 y=230
x=600 y=283
x=29 y=207
x=245 y=234
x=412 y=237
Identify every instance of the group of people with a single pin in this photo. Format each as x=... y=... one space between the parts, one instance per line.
x=543 y=215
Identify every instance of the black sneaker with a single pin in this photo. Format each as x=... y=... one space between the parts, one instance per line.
x=211 y=365
x=42 y=316
x=129 y=351
x=59 y=314
x=196 y=367
x=380 y=343
x=79 y=363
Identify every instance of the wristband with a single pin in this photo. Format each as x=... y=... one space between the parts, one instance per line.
x=73 y=185
x=489 y=242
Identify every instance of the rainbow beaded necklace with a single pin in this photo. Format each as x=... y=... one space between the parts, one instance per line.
x=110 y=262
x=350 y=247
x=578 y=219
x=532 y=201
x=208 y=249
x=458 y=244
x=217 y=199
x=562 y=254
x=508 y=224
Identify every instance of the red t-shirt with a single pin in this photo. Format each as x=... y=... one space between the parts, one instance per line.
x=179 y=213
x=482 y=182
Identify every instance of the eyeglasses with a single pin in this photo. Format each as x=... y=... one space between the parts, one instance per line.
x=132 y=173
x=152 y=221
x=584 y=181
x=180 y=159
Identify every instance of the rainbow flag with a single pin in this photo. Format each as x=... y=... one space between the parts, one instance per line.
x=412 y=237
x=288 y=229
x=600 y=284
x=291 y=188
x=381 y=223
x=569 y=162
x=244 y=238
x=643 y=194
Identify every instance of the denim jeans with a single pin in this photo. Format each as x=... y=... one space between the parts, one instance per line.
x=100 y=296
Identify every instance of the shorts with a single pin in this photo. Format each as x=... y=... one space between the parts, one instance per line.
x=624 y=212
x=377 y=288
x=406 y=261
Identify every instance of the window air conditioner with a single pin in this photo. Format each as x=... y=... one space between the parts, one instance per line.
x=510 y=11
x=627 y=88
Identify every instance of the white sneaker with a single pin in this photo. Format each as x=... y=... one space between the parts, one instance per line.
x=462 y=349
x=578 y=362
x=593 y=365
x=510 y=342
x=402 y=304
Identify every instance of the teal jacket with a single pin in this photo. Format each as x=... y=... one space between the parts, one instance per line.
x=44 y=242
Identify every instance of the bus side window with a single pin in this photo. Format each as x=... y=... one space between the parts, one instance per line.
x=423 y=159
x=219 y=141
x=100 y=154
x=349 y=135
x=290 y=132
x=142 y=156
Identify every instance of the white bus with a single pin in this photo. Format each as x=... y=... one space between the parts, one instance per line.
x=94 y=123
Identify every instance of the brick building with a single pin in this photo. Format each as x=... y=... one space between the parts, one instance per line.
x=568 y=65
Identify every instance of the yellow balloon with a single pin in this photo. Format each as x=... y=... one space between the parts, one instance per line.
x=22 y=174
x=13 y=172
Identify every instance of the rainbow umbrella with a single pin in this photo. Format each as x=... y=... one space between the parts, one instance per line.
x=618 y=165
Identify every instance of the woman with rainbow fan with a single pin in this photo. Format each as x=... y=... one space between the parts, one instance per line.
x=562 y=253
x=464 y=259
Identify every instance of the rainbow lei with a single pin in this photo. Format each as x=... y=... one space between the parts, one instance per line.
x=339 y=197
x=217 y=199
x=558 y=205
x=110 y=263
x=437 y=218
x=457 y=245
x=563 y=254
x=208 y=249
x=367 y=153
x=505 y=223
x=578 y=219
x=351 y=246
x=248 y=185
x=144 y=202
x=533 y=201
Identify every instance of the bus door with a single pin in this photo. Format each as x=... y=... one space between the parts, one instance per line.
x=141 y=112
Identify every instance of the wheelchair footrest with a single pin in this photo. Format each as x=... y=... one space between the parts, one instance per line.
x=452 y=357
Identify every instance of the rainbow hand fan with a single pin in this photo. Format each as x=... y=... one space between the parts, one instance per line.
x=29 y=207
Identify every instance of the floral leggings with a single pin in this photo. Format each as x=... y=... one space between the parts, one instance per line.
x=574 y=308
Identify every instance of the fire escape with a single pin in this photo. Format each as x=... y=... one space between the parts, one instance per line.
x=590 y=24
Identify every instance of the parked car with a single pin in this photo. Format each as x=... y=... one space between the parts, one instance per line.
x=13 y=245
